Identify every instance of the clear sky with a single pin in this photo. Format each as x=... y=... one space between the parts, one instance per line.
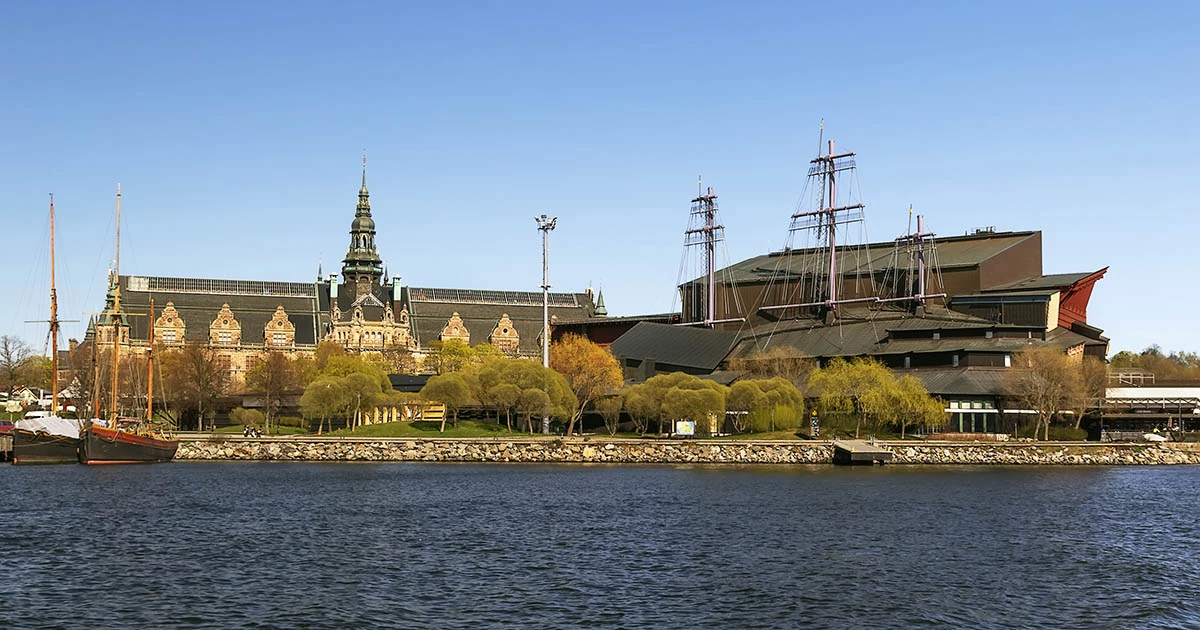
x=236 y=131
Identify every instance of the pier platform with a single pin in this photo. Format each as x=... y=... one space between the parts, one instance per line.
x=859 y=453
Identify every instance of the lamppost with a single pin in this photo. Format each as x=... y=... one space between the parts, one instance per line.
x=545 y=224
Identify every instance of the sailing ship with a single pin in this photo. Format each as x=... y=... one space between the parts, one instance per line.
x=125 y=440
x=42 y=437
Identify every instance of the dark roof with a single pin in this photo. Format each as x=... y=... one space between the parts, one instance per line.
x=198 y=300
x=954 y=251
x=408 y=382
x=1053 y=281
x=682 y=346
x=965 y=381
x=480 y=311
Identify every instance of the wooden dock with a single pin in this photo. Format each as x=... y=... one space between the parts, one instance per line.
x=6 y=447
x=859 y=453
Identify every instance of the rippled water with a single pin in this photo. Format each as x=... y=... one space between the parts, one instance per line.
x=470 y=546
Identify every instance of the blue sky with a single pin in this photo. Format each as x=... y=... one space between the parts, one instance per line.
x=236 y=131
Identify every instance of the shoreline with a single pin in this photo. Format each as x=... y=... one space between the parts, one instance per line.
x=593 y=450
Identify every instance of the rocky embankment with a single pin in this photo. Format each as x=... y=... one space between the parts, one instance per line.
x=668 y=452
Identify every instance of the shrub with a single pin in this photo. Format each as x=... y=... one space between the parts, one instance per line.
x=291 y=421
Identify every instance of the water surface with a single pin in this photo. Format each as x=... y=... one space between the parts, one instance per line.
x=293 y=545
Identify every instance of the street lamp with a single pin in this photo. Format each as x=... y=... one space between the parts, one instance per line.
x=545 y=224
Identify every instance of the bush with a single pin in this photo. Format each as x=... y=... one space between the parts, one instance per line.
x=246 y=417
x=1057 y=433
x=291 y=421
x=777 y=418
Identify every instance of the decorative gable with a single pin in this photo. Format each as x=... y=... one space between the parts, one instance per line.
x=225 y=330
x=456 y=329
x=504 y=336
x=279 y=332
x=169 y=328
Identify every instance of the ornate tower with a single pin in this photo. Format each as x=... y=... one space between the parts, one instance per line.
x=362 y=266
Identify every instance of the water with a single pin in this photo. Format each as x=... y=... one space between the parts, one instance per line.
x=273 y=545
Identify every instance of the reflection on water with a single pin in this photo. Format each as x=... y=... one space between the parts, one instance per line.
x=470 y=546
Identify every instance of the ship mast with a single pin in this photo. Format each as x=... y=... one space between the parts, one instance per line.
x=824 y=221
x=150 y=368
x=704 y=232
x=53 y=322
x=116 y=311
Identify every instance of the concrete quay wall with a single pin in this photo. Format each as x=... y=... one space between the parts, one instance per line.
x=667 y=451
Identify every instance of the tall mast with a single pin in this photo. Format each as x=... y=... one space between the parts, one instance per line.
x=705 y=234
x=53 y=322
x=823 y=221
x=150 y=368
x=116 y=311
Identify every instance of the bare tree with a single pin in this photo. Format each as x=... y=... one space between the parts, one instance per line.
x=1046 y=381
x=13 y=355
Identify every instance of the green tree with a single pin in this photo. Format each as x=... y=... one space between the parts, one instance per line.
x=609 y=408
x=641 y=406
x=247 y=417
x=744 y=397
x=533 y=403
x=705 y=407
x=449 y=389
x=448 y=356
x=590 y=370
x=860 y=387
x=324 y=398
x=272 y=378
x=913 y=406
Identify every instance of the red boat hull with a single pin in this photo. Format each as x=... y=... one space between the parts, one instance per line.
x=100 y=445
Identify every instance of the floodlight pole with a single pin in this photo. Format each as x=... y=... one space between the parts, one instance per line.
x=545 y=224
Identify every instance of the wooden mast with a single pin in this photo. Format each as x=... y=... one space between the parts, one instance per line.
x=150 y=368
x=53 y=322
x=116 y=311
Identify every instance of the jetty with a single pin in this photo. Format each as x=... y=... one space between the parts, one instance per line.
x=859 y=452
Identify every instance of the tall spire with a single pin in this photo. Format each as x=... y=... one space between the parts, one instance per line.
x=600 y=310
x=362 y=266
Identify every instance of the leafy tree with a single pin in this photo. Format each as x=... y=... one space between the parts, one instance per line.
x=447 y=356
x=705 y=407
x=13 y=354
x=347 y=364
x=913 y=405
x=641 y=405
x=195 y=377
x=247 y=417
x=504 y=397
x=648 y=398
x=859 y=387
x=591 y=371
x=526 y=375
x=609 y=408
x=35 y=371
x=323 y=399
x=744 y=397
x=531 y=404
x=776 y=361
x=273 y=378
x=362 y=391
x=1045 y=380
x=449 y=389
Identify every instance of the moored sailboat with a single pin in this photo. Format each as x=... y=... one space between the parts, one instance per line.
x=125 y=440
x=44 y=437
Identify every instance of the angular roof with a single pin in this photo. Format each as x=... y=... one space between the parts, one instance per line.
x=198 y=300
x=431 y=308
x=684 y=346
x=952 y=251
x=964 y=381
x=1051 y=282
